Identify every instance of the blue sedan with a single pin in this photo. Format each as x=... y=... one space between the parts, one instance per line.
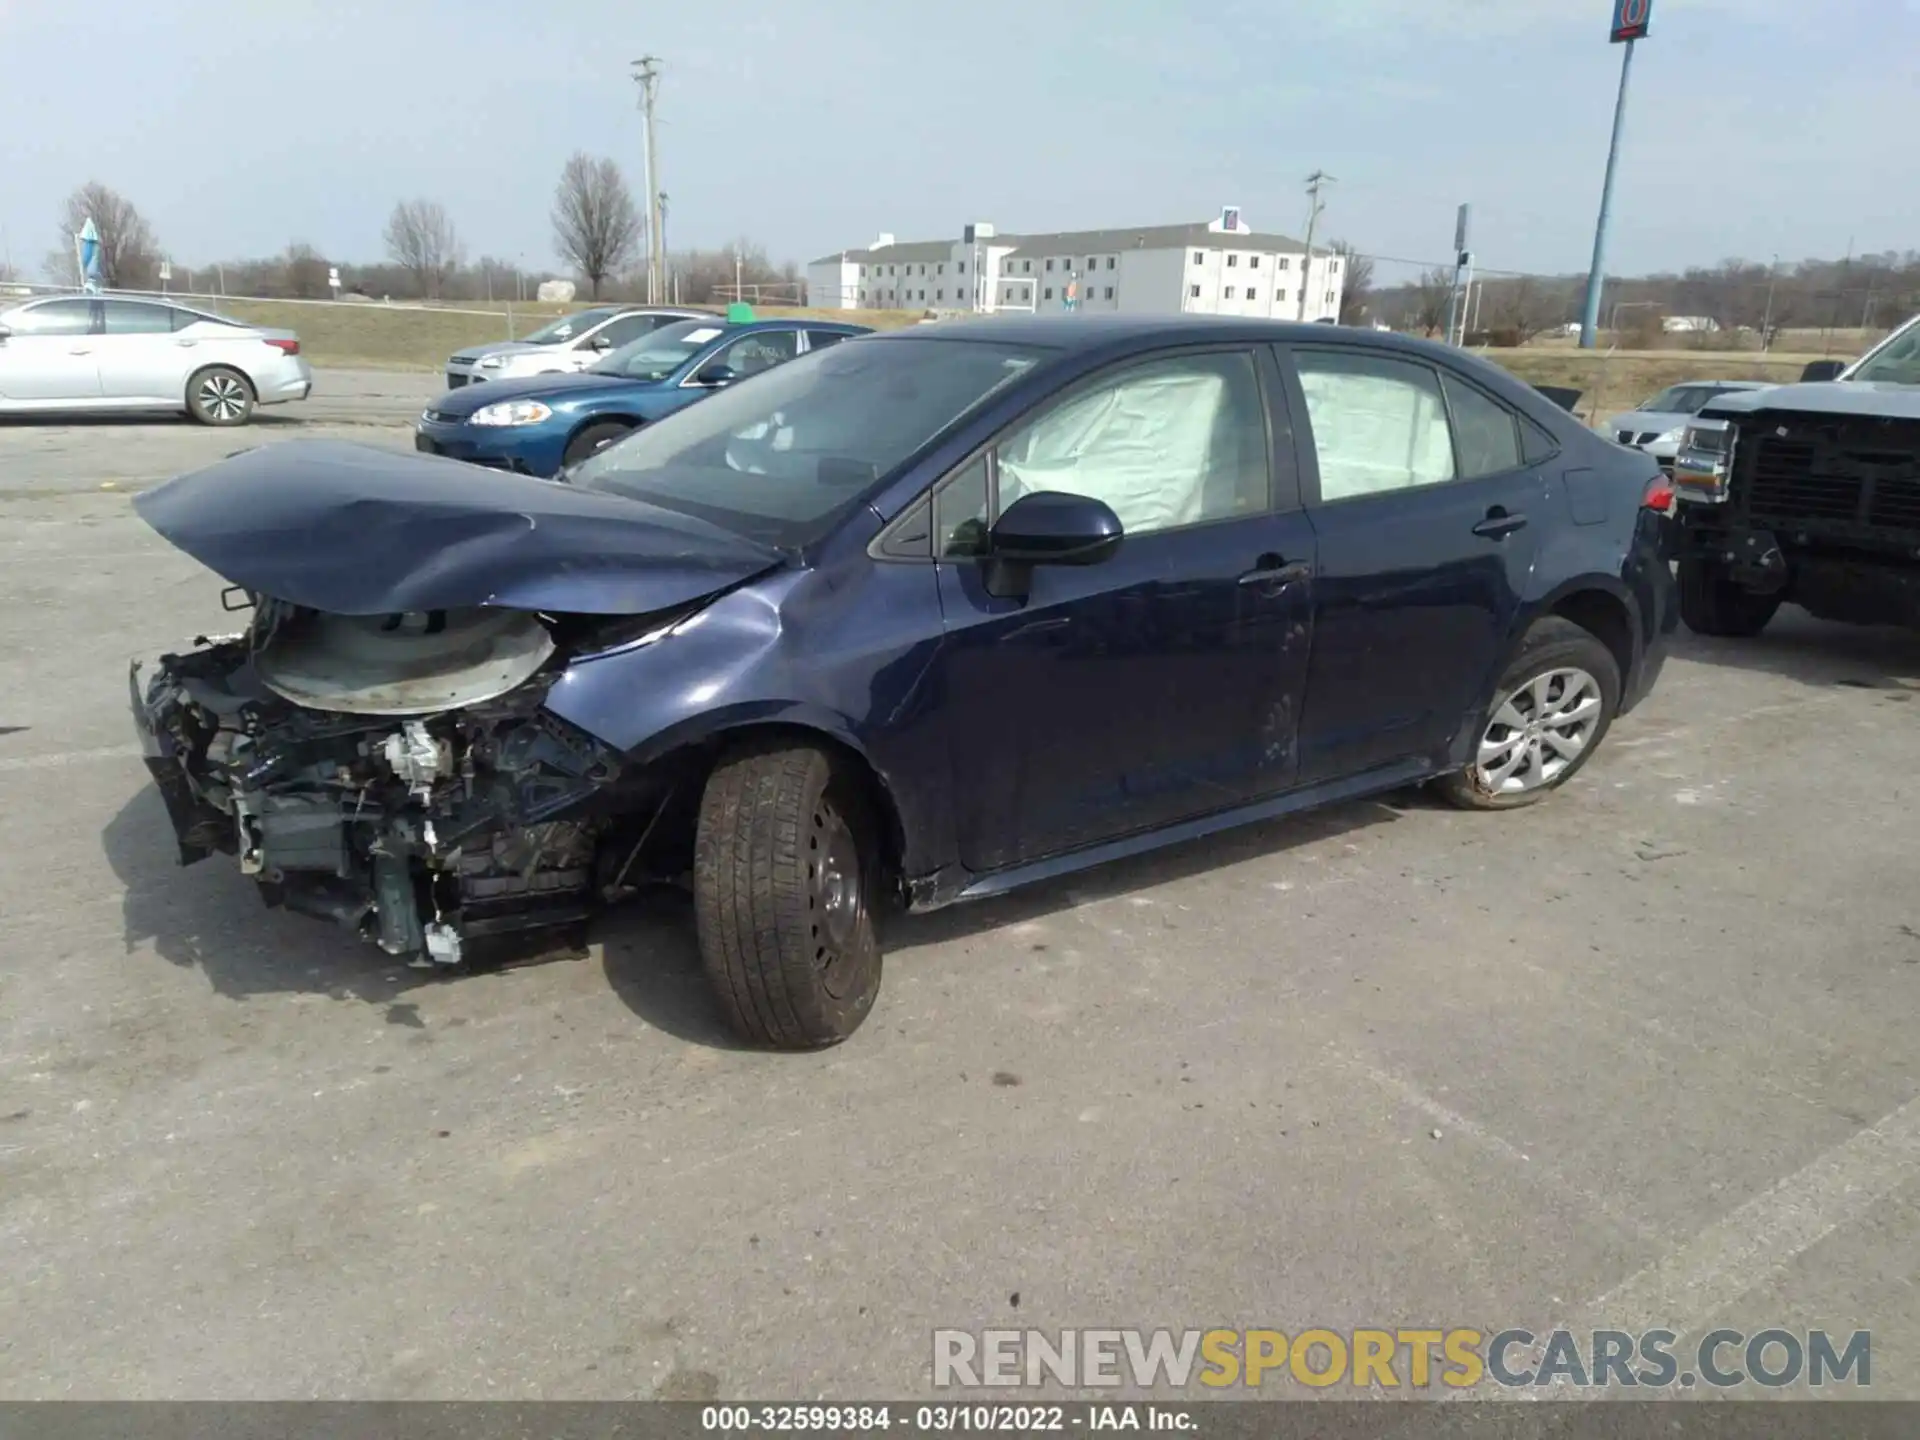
x=541 y=424
x=928 y=616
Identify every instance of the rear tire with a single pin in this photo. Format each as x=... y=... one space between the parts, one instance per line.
x=1713 y=604
x=593 y=439
x=784 y=886
x=220 y=395
x=1549 y=713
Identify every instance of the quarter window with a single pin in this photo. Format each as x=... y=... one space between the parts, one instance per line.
x=1168 y=443
x=960 y=513
x=57 y=317
x=1485 y=433
x=1379 y=424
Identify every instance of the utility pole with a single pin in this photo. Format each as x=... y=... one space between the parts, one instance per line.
x=1317 y=181
x=646 y=74
x=1766 y=325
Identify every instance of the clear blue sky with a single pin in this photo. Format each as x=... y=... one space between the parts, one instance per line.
x=1757 y=126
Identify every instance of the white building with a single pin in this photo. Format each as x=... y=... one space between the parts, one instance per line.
x=1221 y=267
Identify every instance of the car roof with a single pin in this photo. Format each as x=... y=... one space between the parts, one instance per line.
x=1088 y=333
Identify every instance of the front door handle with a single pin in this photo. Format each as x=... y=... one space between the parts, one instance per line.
x=186 y=344
x=1275 y=571
x=80 y=350
x=1499 y=524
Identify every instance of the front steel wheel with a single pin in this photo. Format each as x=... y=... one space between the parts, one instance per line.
x=1549 y=712
x=785 y=879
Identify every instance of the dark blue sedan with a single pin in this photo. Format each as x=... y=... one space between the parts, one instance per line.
x=542 y=423
x=921 y=618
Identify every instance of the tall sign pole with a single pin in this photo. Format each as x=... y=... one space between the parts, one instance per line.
x=1316 y=182
x=1631 y=19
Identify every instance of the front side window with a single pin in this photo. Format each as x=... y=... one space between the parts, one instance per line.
x=629 y=328
x=782 y=459
x=762 y=350
x=56 y=317
x=1379 y=424
x=1168 y=443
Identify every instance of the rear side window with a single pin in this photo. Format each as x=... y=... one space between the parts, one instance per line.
x=629 y=328
x=1485 y=434
x=132 y=317
x=1379 y=424
x=821 y=339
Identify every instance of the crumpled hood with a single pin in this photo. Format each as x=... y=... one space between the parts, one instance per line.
x=1824 y=397
x=552 y=388
x=362 y=531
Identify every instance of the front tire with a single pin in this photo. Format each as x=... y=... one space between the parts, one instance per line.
x=220 y=395
x=1712 y=603
x=594 y=438
x=784 y=887
x=1550 y=711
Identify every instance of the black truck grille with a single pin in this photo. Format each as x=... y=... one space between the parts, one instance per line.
x=1856 y=473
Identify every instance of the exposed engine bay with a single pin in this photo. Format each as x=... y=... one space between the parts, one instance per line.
x=400 y=775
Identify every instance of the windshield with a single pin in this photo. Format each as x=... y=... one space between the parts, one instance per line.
x=1897 y=362
x=781 y=457
x=657 y=355
x=567 y=327
x=1681 y=400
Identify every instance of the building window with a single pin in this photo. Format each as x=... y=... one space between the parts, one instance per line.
x=1333 y=267
x=961 y=266
x=923 y=294
x=1232 y=260
x=1049 y=293
x=1198 y=259
x=1281 y=296
x=1049 y=266
x=890 y=270
x=1194 y=291
x=1109 y=294
x=941 y=294
x=1281 y=264
x=1252 y=294
x=1026 y=267
x=863 y=297
x=1110 y=262
x=940 y=269
x=1229 y=292
x=1253 y=262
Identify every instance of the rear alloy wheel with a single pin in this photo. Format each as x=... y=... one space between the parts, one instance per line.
x=593 y=439
x=1550 y=711
x=1713 y=604
x=784 y=885
x=220 y=395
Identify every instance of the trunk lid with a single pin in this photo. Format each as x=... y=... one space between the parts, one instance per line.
x=356 y=530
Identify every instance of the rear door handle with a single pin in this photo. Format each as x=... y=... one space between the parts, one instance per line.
x=1272 y=570
x=1499 y=524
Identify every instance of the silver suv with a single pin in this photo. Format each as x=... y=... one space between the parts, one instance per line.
x=571 y=343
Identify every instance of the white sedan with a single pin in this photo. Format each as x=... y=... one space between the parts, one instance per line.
x=78 y=353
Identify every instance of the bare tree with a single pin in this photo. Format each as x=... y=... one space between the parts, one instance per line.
x=1358 y=291
x=303 y=273
x=1521 y=311
x=596 y=227
x=129 y=254
x=422 y=241
x=1429 y=297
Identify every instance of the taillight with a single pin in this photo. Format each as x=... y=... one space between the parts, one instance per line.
x=286 y=347
x=1658 y=495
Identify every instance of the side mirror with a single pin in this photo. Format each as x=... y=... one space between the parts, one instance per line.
x=716 y=375
x=600 y=342
x=1050 y=527
x=1822 y=370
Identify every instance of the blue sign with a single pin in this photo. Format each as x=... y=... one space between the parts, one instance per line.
x=1630 y=19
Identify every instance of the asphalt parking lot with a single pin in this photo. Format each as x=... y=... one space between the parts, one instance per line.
x=1640 y=1056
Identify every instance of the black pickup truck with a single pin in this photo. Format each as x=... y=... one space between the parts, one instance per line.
x=1808 y=493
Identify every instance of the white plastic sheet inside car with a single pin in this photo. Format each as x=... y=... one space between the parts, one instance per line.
x=1143 y=446
x=1377 y=425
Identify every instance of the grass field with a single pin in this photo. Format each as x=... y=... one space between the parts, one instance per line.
x=421 y=338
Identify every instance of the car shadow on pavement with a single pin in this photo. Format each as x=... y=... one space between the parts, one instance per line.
x=209 y=917
x=1815 y=652
x=59 y=420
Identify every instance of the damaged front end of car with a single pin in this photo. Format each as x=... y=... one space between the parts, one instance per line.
x=425 y=830
x=376 y=747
